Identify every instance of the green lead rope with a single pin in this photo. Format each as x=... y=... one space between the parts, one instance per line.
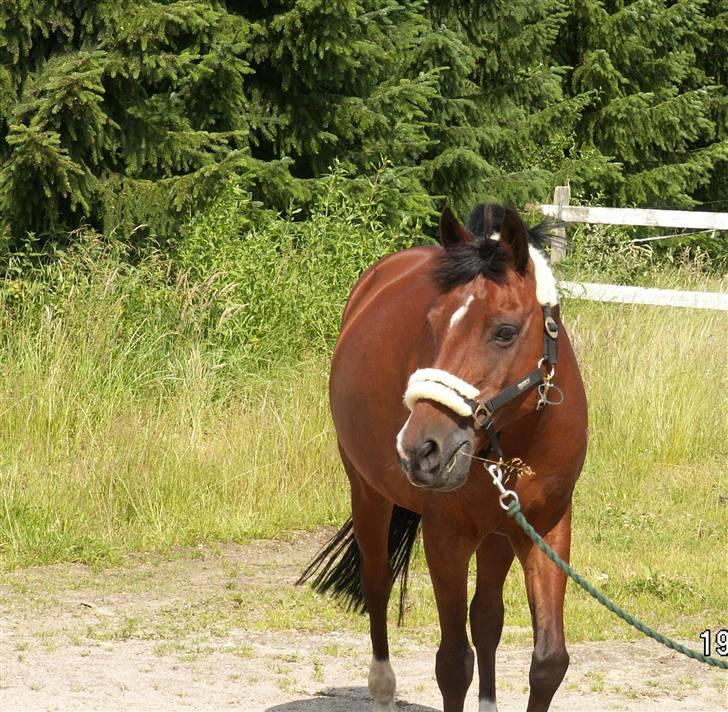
x=514 y=511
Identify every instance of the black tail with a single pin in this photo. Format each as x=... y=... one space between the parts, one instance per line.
x=337 y=567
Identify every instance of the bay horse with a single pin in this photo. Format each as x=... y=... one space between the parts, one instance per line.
x=470 y=333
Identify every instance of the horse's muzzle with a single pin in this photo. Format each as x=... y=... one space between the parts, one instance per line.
x=436 y=465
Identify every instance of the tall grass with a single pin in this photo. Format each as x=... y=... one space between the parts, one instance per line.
x=120 y=434
x=650 y=515
x=132 y=417
x=170 y=401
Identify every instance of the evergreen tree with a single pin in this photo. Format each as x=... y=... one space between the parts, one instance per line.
x=506 y=131
x=655 y=112
x=711 y=60
x=337 y=83
x=120 y=112
x=134 y=111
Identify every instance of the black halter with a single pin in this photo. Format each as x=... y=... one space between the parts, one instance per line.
x=462 y=397
x=484 y=410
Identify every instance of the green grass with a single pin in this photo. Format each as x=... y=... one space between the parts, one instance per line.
x=149 y=474
x=123 y=433
x=650 y=516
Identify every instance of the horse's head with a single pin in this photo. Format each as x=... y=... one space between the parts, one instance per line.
x=487 y=334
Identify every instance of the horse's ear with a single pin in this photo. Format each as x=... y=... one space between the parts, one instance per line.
x=451 y=230
x=514 y=233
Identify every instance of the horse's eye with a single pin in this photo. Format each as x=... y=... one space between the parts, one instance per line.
x=505 y=334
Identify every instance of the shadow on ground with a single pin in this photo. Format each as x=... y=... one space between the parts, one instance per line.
x=342 y=699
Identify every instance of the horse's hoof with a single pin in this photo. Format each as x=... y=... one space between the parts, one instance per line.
x=379 y=707
x=382 y=684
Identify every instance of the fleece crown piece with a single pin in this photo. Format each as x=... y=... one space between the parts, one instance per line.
x=546 y=291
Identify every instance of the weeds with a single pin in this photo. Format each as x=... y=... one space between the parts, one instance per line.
x=602 y=253
x=281 y=283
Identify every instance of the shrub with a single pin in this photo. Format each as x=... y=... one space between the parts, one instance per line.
x=287 y=280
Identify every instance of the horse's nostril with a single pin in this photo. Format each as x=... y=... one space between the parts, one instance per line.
x=427 y=448
x=427 y=455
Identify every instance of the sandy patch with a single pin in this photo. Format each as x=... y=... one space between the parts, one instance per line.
x=164 y=634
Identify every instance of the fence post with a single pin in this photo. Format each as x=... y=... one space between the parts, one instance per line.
x=562 y=194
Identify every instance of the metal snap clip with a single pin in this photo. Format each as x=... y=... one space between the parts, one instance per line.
x=543 y=391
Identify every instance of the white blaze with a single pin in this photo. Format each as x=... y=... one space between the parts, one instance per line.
x=459 y=313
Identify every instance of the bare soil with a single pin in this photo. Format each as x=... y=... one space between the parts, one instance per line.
x=212 y=629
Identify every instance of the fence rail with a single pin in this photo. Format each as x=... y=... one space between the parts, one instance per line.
x=620 y=294
x=565 y=213
x=636 y=216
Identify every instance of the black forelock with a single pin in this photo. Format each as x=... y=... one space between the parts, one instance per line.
x=463 y=262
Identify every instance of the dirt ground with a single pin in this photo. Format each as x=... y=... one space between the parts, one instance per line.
x=211 y=629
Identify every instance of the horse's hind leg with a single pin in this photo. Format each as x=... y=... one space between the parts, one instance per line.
x=546 y=585
x=371 y=515
x=494 y=556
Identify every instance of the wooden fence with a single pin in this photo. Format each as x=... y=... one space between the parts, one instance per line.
x=565 y=214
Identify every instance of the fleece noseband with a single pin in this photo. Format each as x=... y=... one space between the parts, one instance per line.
x=442 y=387
x=463 y=398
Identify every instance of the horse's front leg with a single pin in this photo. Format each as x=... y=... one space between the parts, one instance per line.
x=545 y=586
x=448 y=553
x=495 y=556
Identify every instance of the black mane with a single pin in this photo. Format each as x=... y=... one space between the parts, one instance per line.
x=464 y=261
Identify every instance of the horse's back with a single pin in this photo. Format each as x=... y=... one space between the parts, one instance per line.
x=390 y=273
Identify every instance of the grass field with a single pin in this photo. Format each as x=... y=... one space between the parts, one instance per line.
x=121 y=435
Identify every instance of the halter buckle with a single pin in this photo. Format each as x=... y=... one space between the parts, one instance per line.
x=482 y=414
x=552 y=328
